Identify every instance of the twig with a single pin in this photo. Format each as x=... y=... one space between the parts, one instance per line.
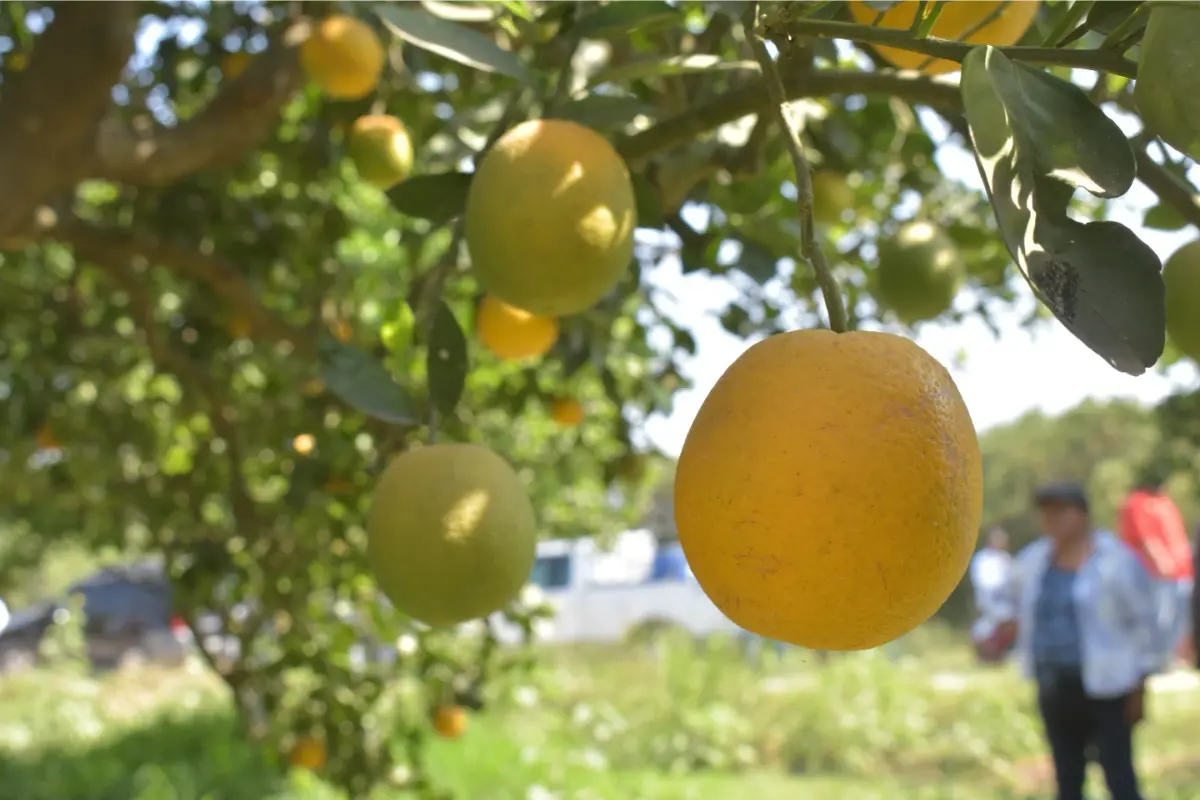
x=1067 y=22
x=1171 y=190
x=753 y=98
x=810 y=250
x=1098 y=59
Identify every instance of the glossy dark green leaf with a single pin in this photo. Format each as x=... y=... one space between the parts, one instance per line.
x=418 y=27
x=438 y=198
x=1036 y=139
x=649 y=204
x=604 y=111
x=619 y=18
x=361 y=381
x=446 y=361
x=671 y=65
x=757 y=261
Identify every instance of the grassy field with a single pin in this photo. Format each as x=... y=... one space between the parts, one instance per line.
x=602 y=725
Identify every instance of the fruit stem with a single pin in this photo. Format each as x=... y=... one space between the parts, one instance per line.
x=810 y=250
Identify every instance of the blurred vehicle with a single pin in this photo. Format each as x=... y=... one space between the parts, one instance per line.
x=128 y=614
x=638 y=586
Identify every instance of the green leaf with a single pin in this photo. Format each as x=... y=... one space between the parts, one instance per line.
x=438 y=198
x=446 y=361
x=624 y=17
x=1164 y=217
x=670 y=65
x=1036 y=139
x=757 y=261
x=397 y=333
x=364 y=383
x=600 y=111
x=649 y=204
x=466 y=46
x=518 y=8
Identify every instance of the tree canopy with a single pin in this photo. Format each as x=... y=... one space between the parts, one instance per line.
x=214 y=332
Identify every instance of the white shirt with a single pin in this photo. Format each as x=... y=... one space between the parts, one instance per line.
x=991 y=578
x=1115 y=601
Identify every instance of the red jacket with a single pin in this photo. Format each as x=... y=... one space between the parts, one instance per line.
x=1150 y=523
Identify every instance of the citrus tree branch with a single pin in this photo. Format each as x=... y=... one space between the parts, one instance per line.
x=1095 y=59
x=107 y=246
x=1170 y=189
x=220 y=135
x=810 y=249
x=202 y=392
x=50 y=113
x=753 y=98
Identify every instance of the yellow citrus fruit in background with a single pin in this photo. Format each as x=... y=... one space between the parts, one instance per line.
x=920 y=272
x=234 y=64
x=567 y=412
x=344 y=57
x=1181 y=274
x=308 y=753
x=450 y=722
x=831 y=196
x=451 y=533
x=46 y=439
x=381 y=150
x=239 y=327
x=830 y=490
x=512 y=333
x=971 y=21
x=550 y=218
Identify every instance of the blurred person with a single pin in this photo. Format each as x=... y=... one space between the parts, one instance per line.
x=1086 y=611
x=1150 y=523
x=991 y=574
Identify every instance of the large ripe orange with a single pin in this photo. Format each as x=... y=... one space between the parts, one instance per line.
x=550 y=218
x=971 y=21
x=830 y=490
x=512 y=333
x=344 y=57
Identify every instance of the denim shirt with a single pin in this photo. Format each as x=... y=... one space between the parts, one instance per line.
x=1116 y=611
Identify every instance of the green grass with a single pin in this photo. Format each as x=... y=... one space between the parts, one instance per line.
x=597 y=725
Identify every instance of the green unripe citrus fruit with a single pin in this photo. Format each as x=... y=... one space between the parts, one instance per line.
x=1181 y=275
x=451 y=534
x=1167 y=90
x=550 y=218
x=920 y=271
x=831 y=196
x=381 y=150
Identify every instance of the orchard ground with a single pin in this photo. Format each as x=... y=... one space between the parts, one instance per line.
x=918 y=722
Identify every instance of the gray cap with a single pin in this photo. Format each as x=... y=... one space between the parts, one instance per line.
x=1061 y=492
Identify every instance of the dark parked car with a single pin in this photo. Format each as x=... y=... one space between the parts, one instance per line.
x=129 y=615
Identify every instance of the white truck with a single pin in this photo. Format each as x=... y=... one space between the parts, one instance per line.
x=605 y=596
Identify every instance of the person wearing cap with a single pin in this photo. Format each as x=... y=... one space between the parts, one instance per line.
x=1086 y=615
